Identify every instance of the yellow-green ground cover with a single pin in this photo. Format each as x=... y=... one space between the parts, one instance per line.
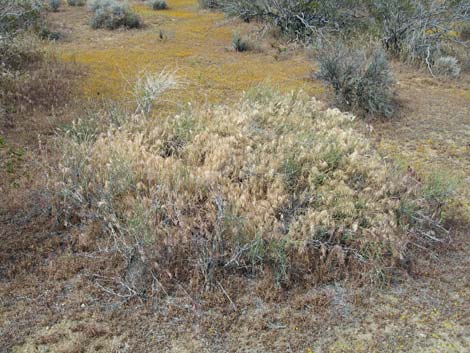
x=195 y=43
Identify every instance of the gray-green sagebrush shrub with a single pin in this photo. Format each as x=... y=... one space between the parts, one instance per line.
x=446 y=66
x=112 y=14
x=415 y=31
x=76 y=2
x=210 y=4
x=240 y=44
x=361 y=81
x=158 y=4
x=299 y=19
x=418 y=31
x=19 y=16
x=18 y=52
x=53 y=5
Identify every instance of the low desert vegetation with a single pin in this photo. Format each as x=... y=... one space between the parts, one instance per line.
x=158 y=4
x=112 y=14
x=447 y=66
x=76 y=2
x=209 y=4
x=362 y=81
x=274 y=186
x=418 y=32
x=464 y=32
x=53 y=5
x=30 y=77
x=241 y=44
x=19 y=16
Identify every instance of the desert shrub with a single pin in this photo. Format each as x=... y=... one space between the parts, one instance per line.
x=53 y=5
x=158 y=4
x=417 y=30
x=361 y=81
x=19 y=16
x=446 y=66
x=19 y=52
x=209 y=4
x=112 y=14
x=45 y=33
x=272 y=185
x=240 y=44
x=299 y=18
x=76 y=2
x=464 y=32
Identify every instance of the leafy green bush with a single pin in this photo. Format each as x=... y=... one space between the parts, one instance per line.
x=158 y=4
x=112 y=14
x=361 y=81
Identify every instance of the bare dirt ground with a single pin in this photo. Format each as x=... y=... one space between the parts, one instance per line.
x=48 y=303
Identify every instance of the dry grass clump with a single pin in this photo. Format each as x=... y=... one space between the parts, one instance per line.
x=273 y=185
x=30 y=78
x=150 y=87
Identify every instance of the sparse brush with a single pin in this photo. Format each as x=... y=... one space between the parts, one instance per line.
x=464 y=32
x=76 y=2
x=150 y=87
x=53 y=5
x=18 y=52
x=50 y=35
x=360 y=81
x=210 y=4
x=438 y=188
x=46 y=84
x=111 y=14
x=417 y=30
x=158 y=4
x=447 y=66
x=20 y=16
